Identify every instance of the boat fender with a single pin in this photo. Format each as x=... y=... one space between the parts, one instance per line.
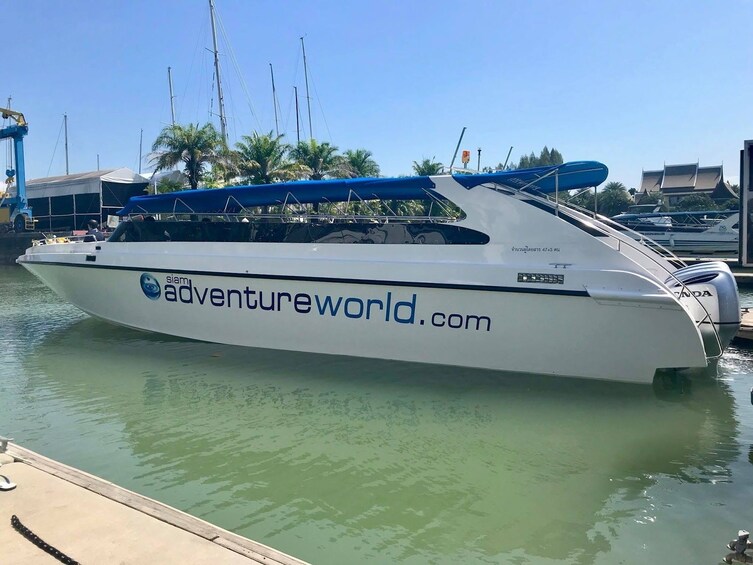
x=751 y=395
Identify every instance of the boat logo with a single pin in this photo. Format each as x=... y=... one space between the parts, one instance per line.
x=688 y=293
x=150 y=286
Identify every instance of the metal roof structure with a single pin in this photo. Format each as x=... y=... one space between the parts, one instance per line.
x=685 y=180
x=568 y=176
x=81 y=183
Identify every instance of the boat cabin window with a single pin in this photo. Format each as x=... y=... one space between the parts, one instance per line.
x=384 y=232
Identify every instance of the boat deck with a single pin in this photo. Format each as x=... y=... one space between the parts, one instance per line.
x=94 y=521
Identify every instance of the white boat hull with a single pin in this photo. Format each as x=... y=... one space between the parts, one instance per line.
x=547 y=290
x=722 y=245
x=491 y=329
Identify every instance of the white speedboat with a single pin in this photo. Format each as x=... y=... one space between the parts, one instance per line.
x=491 y=273
x=687 y=233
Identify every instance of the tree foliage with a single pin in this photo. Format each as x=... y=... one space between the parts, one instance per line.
x=546 y=158
x=649 y=198
x=263 y=159
x=319 y=160
x=196 y=147
x=169 y=185
x=360 y=163
x=427 y=167
x=613 y=199
x=695 y=202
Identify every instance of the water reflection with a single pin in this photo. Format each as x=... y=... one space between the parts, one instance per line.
x=342 y=460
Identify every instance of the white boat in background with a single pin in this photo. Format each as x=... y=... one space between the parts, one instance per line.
x=490 y=273
x=687 y=233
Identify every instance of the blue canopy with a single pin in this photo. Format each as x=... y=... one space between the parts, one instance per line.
x=574 y=175
x=568 y=176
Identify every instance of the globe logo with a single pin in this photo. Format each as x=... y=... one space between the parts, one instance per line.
x=150 y=286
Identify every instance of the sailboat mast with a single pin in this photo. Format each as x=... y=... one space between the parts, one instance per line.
x=223 y=121
x=141 y=144
x=172 y=98
x=65 y=122
x=274 y=99
x=308 y=97
x=297 y=118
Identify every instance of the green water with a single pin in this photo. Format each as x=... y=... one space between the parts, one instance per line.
x=343 y=461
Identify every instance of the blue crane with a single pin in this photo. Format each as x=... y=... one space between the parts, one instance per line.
x=18 y=205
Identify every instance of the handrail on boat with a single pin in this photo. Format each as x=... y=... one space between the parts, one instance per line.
x=290 y=201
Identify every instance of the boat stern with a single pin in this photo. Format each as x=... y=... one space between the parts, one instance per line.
x=709 y=292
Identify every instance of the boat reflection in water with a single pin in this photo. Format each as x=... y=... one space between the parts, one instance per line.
x=344 y=460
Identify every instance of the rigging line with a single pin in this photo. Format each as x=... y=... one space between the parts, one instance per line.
x=236 y=120
x=234 y=60
x=199 y=39
x=319 y=101
x=287 y=115
x=291 y=100
x=56 y=148
x=296 y=67
x=211 y=100
x=201 y=93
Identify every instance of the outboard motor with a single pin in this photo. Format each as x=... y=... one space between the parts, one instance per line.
x=709 y=291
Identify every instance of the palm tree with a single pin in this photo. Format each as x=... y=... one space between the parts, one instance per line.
x=614 y=199
x=262 y=159
x=360 y=163
x=192 y=145
x=319 y=159
x=427 y=167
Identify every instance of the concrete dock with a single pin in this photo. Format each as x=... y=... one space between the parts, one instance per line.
x=92 y=520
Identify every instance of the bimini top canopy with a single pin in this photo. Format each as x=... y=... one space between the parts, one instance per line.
x=569 y=176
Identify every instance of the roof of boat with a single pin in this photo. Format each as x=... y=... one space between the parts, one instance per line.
x=568 y=176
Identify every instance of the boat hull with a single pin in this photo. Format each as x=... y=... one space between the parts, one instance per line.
x=564 y=333
x=722 y=245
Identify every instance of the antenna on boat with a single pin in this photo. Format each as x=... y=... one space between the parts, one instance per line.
x=297 y=116
x=462 y=133
x=274 y=99
x=172 y=98
x=308 y=98
x=478 y=163
x=507 y=159
x=221 y=100
x=141 y=143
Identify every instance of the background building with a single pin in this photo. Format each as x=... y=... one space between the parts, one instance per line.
x=68 y=202
x=675 y=182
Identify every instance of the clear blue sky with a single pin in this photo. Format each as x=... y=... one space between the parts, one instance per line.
x=631 y=84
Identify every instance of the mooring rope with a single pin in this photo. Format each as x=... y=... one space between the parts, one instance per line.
x=40 y=543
